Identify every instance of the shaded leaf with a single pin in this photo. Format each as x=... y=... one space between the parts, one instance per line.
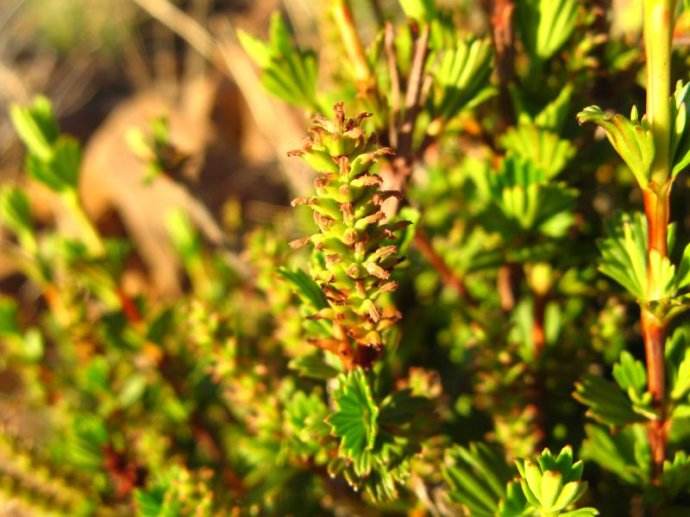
x=606 y=402
x=305 y=287
x=545 y=25
x=477 y=476
x=355 y=419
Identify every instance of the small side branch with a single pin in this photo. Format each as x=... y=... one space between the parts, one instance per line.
x=402 y=164
x=501 y=16
x=392 y=61
x=413 y=94
x=448 y=276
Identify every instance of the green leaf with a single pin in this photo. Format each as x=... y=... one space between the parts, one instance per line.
x=15 y=211
x=85 y=445
x=550 y=117
x=32 y=345
x=184 y=236
x=551 y=485
x=461 y=77
x=66 y=162
x=287 y=71
x=526 y=202
x=631 y=138
x=304 y=416
x=680 y=134
x=676 y=475
x=545 y=25
x=133 y=390
x=606 y=402
x=9 y=317
x=631 y=376
x=258 y=51
x=677 y=351
x=279 y=34
x=683 y=274
x=630 y=373
x=581 y=512
x=315 y=366
x=61 y=172
x=420 y=10
x=355 y=419
x=176 y=492
x=514 y=504
x=305 y=287
x=36 y=126
x=625 y=259
x=52 y=159
x=554 y=114
x=543 y=148
x=624 y=254
x=477 y=477
x=625 y=453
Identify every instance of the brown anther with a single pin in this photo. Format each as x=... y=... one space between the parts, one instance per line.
x=353 y=271
x=374 y=313
x=360 y=246
x=385 y=251
x=331 y=345
x=377 y=271
x=334 y=295
x=321 y=180
x=346 y=209
x=298 y=201
x=344 y=190
x=349 y=237
x=388 y=287
x=361 y=289
x=373 y=218
x=370 y=180
x=299 y=243
x=323 y=221
x=343 y=164
x=339 y=109
x=391 y=193
x=355 y=132
x=332 y=258
x=361 y=117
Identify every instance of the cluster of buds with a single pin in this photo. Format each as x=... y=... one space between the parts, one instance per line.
x=355 y=249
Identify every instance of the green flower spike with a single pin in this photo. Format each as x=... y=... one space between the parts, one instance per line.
x=355 y=248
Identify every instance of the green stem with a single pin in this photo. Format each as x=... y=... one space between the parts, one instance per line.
x=658 y=16
x=658 y=25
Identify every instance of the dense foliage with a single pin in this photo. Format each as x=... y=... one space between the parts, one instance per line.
x=448 y=324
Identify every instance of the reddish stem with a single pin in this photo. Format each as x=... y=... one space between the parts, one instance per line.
x=448 y=276
x=501 y=17
x=657 y=208
x=653 y=332
x=129 y=308
x=538 y=332
x=505 y=283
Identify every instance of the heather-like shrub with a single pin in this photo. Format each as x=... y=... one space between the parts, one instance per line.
x=478 y=308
